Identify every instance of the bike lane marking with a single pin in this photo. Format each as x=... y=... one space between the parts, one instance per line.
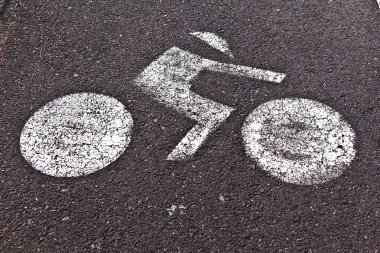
x=299 y=141
x=76 y=135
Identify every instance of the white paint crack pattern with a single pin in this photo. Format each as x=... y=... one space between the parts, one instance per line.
x=299 y=141
x=76 y=135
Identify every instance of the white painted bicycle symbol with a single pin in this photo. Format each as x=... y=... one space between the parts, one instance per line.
x=296 y=140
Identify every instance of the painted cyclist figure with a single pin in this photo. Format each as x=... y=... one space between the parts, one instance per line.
x=296 y=140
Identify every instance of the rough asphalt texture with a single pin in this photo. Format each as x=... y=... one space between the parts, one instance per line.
x=330 y=51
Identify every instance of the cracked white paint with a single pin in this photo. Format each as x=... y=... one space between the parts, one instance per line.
x=299 y=141
x=214 y=41
x=76 y=135
x=168 y=80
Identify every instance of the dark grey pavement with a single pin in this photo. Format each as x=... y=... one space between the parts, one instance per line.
x=2 y=3
x=330 y=51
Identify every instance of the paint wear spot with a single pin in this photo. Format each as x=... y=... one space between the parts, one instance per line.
x=299 y=141
x=76 y=135
x=173 y=209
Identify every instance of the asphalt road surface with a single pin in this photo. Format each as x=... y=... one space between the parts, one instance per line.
x=211 y=192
